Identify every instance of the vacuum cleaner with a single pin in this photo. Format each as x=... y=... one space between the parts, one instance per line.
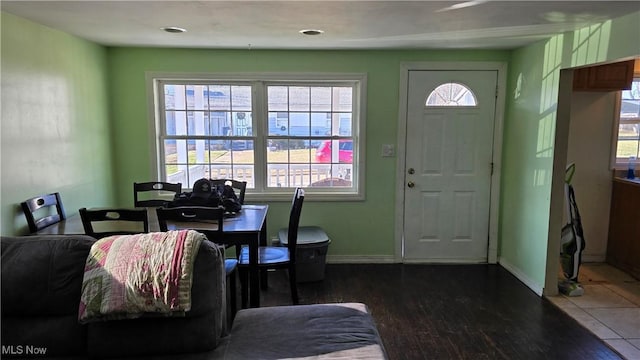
x=572 y=241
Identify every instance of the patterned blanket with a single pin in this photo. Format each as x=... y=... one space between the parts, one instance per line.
x=126 y=276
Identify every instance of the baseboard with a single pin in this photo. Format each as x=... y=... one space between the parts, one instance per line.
x=536 y=288
x=360 y=259
x=596 y=258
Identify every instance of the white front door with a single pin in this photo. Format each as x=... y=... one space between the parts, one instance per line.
x=448 y=166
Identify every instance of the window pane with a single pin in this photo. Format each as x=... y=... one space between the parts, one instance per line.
x=196 y=97
x=174 y=97
x=241 y=124
x=299 y=124
x=242 y=152
x=342 y=171
x=241 y=98
x=277 y=175
x=299 y=175
x=278 y=123
x=278 y=98
x=176 y=174
x=196 y=172
x=451 y=94
x=170 y=152
x=630 y=106
x=342 y=124
x=299 y=151
x=627 y=148
x=277 y=151
x=325 y=152
x=169 y=97
x=198 y=122
x=321 y=123
x=221 y=172
x=220 y=97
x=628 y=131
x=320 y=99
x=342 y=99
x=176 y=123
x=299 y=98
x=219 y=123
x=245 y=173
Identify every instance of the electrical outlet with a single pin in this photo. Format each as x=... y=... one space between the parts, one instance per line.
x=388 y=150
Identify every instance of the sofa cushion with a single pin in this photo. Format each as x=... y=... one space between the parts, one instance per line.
x=35 y=336
x=322 y=331
x=41 y=283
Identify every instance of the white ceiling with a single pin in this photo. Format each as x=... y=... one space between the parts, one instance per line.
x=351 y=24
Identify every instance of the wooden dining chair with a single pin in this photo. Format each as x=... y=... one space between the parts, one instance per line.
x=276 y=257
x=42 y=211
x=100 y=223
x=210 y=222
x=239 y=187
x=154 y=193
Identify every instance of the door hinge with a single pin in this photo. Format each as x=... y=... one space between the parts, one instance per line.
x=492 y=168
x=496 y=91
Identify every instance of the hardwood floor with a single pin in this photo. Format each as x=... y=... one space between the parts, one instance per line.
x=450 y=312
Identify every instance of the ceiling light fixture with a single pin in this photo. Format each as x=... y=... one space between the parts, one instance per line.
x=174 y=29
x=311 y=32
x=463 y=5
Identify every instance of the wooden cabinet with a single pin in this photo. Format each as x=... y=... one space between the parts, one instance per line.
x=623 y=247
x=607 y=77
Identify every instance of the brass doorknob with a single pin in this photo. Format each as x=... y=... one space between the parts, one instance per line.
x=411 y=184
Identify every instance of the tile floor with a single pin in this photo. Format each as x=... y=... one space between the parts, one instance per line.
x=609 y=307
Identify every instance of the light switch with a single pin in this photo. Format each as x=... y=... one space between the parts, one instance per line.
x=388 y=150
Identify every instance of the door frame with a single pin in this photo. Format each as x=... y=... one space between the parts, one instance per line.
x=494 y=207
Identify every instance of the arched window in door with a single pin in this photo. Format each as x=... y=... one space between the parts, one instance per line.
x=452 y=94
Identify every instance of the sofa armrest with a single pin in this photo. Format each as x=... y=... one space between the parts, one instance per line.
x=199 y=330
x=41 y=285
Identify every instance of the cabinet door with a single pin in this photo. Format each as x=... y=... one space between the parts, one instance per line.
x=608 y=77
x=623 y=246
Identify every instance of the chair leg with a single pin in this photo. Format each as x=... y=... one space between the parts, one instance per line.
x=293 y=284
x=244 y=287
x=233 y=294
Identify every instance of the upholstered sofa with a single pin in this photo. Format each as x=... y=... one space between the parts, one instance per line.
x=41 y=287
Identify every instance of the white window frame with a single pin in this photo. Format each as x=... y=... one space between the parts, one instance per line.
x=259 y=81
x=621 y=163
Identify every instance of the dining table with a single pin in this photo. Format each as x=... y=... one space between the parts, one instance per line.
x=248 y=227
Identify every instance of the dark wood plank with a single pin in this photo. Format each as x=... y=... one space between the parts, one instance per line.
x=450 y=312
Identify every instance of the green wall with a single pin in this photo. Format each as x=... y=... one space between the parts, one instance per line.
x=529 y=134
x=55 y=125
x=356 y=228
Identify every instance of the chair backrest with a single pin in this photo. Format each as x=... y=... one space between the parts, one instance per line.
x=156 y=193
x=39 y=211
x=294 y=222
x=207 y=220
x=240 y=187
x=101 y=223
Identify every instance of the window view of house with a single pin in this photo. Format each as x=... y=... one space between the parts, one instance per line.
x=303 y=135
